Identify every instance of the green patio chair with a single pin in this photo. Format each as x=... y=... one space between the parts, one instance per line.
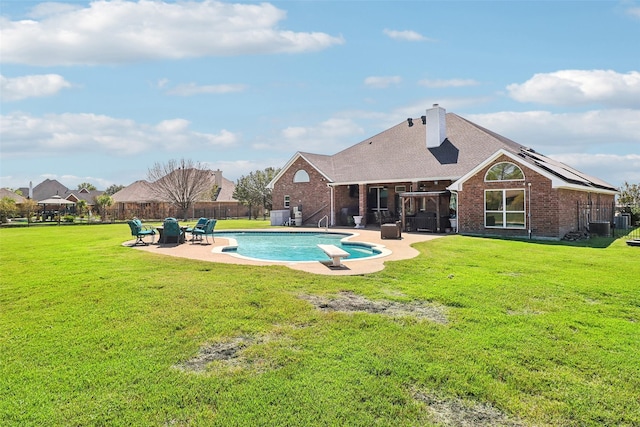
x=171 y=231
x=140 y=231
x=206 y=231
x=200 y=224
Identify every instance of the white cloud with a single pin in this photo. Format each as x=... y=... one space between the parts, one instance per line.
x=107 y=32
x=546 y=131
x=577 y=139
x=60 y=134
x=382 y=82
x=406 y=35
x=613 y=168
x=634 y=11
x=190 y=89
x=577 y=87
x=327 y=137
x=34 y=86
x=437 y=83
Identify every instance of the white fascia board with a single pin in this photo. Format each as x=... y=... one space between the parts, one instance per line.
x=457 y=186
x=291 y=161
x=556 y=182
x=275 y=179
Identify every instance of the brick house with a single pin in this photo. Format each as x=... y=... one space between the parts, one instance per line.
x=139 y=199
x=436 y=173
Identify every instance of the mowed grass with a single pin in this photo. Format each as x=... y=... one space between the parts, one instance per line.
x=91 y=333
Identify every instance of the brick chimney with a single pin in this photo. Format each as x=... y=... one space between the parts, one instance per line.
x=436 y=126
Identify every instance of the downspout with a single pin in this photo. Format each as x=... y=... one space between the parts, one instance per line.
x=331 y=197
x=529 y=185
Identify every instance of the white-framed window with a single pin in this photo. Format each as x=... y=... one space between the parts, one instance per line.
x=504 y=171
x=301 y=176
x=504 y=208
x=287 y=201
x=401 y=188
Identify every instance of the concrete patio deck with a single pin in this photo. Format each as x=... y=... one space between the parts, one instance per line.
x=400 y=249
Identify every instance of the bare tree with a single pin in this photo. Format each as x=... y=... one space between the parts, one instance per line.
x=181 y=182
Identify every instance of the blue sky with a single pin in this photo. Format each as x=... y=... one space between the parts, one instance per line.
x=100 y=91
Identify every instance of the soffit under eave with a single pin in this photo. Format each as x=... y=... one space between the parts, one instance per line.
x=395 y=181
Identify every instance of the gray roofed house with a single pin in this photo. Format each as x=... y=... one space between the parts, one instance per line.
x=430 y=173
x=141 y=200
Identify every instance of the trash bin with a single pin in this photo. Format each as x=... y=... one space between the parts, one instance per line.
x=391 y=231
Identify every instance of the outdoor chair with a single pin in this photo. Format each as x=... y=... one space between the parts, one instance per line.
x=200 y=224
x=206 y=231
x=171 y=231
x=139 y=231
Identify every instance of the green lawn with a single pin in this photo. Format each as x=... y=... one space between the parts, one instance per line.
x=94 y=333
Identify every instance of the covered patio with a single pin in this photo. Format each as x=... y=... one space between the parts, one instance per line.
x=426 y=211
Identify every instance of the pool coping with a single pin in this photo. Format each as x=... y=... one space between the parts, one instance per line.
x=399 y=249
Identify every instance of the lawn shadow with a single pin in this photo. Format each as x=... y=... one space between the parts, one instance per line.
x=596 y=242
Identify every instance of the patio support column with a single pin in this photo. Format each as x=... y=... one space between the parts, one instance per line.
x=438 y=214
x=362 y=202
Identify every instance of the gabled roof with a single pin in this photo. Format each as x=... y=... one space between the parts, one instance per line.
x=10 y=194
x=560 y=175
x=138 y=192
x=88 y=196
x=400 y=154
x=319 y=162
x=49 y=188
x=226 y=190
x=142 y=192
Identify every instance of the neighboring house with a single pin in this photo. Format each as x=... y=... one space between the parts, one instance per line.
x=11 y=195
x=141 y=200
x=437 y=172
x=51 y=187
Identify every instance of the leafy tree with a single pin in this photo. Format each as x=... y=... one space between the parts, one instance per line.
x=629 y=194
x=87 y=186
x=252 y=191
x=103 y=201
x=113 y=189
x=8 y=208
x=81 y=207
x=629 y=198
x=28 y=207
x=181 y=182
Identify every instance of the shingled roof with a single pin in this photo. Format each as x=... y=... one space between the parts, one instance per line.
x=142 y=191
x=138 y=192
x=11 y=195
x=400 y=154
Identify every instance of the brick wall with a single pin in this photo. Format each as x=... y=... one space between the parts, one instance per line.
x=553 y=211
x=312 y=196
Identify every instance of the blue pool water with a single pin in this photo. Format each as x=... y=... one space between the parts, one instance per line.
x=292 y=246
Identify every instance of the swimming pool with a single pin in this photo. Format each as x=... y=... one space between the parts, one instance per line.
x=293 y=246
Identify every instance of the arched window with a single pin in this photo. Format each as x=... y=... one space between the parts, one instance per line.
x=504 y=171
x=301 y=176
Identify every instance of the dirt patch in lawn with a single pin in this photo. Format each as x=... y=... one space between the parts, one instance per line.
x=229 y=352
x=350 y=302
x=461 y=413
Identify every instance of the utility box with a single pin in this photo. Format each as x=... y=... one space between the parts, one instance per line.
x=280 y=217
x=391 y=231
